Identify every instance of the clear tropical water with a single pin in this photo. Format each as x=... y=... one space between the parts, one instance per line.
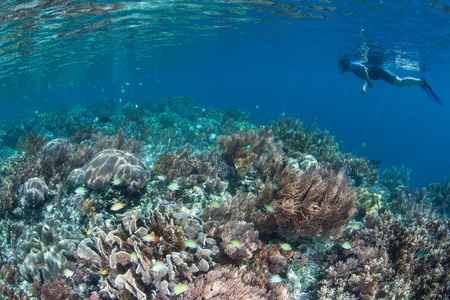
x=110 y=69
x=278 y=56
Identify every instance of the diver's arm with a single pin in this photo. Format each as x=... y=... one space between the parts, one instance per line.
x=367 y=81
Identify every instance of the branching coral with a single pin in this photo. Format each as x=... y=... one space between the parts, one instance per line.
x=391 y=258
x=439 y=195
x=33 y=143
x=252 y=149
x=58 y=289
x=118 y=141
x=238 y=239
x=396 y=177
x=59 y=157
x=308 y=203
x=320 y=144
x=361 y=170
x=241 y=208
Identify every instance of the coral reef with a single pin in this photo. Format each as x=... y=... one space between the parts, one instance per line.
x=31 y=195
x=369 y=200
x=396 y=177
x=361 y=170
x=391 y=258
x=43 y=249
x=233 y=283
x=114 y=247
x=211 y=206
x=307 y=203
x=252 y=149
x=110 y=164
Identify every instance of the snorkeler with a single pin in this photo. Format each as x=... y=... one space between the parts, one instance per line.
x=376 y=73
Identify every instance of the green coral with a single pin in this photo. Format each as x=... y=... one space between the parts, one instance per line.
x=370 y=201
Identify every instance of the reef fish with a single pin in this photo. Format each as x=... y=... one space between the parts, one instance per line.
x=270 y=208
x=173 y=186
x=150 y=238
x=346 y=245
x=275 y=279
x=68 y=272
x=179 y=288
x=286 y=246
x=157 y=266
x=117 y=206
x=81 y=191
x=116 y=181
x=274 y=185
x=104 y=119
x=356 y=225
x=190 y=244
x=236 y=243
x=215 y=204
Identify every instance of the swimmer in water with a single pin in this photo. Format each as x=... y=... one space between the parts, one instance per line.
x=377 y=73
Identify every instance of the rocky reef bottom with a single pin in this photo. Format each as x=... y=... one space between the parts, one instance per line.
x=167 y=200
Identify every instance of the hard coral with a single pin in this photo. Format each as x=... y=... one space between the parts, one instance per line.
x=308 y=203
x=58 y=289
x=252 y=149
x=390 y=258
x=42 y=250
x=30 y=196
x=110 y=164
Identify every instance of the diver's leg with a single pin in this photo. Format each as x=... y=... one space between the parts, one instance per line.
x=431 y=93
x=408 y=81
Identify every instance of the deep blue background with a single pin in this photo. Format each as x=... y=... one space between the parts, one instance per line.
x=292 y=71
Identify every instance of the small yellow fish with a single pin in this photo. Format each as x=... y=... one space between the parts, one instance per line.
x=116 y=181
x=270 y=208
x=236 y=243
x=275 y=279
x=346 y=245
x=215 y=204
x=190 y=244
x=173 y=186
x=274 y=185
x=118 y=206
x=157 y=266
x=356 y=225
x=180 y=288
x=104 y=272
x=89 y=231
x=150 y=237
x=286 y=246
x=81 y=191
x=68 y=272
x=134 y=257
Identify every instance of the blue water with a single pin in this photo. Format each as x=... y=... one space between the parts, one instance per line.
x=270 y=58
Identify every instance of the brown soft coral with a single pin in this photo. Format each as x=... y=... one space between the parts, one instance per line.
x=233 y=283
x=239 y=240
x=253 y=149
x=309 y=203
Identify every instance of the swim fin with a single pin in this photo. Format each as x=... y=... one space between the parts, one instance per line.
x=431 y=93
